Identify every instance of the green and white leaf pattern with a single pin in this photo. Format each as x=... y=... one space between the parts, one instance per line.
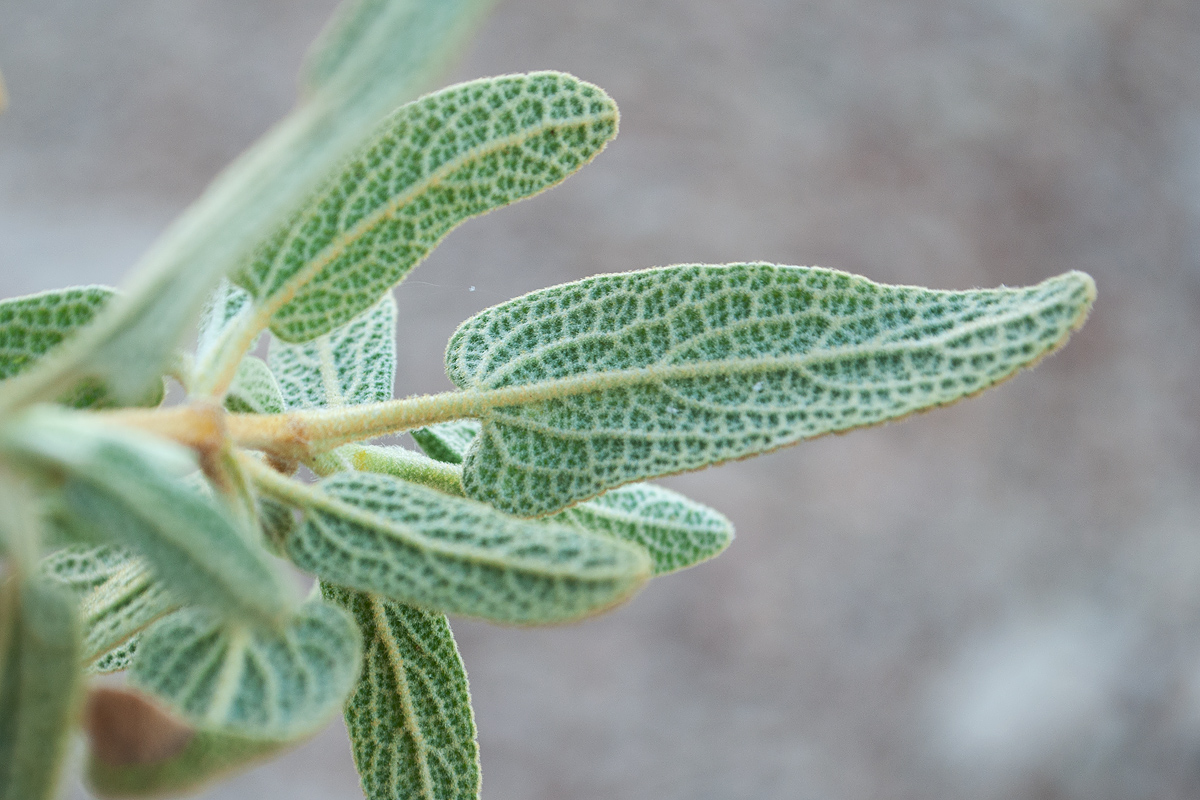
x=128 y=488
x=118 y=597
x=254 y=389
x=447 y=441
x=34 y=325
x=39 y=686
x=422 y=547
x=353 y=364
x=630 y=376
x=221 y=308
x=410 y=720
x=676 y=531
x=255 y=682
x=435 y=163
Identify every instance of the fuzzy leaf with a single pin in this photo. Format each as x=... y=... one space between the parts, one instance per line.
x=118 y=597
x=39 y=687
x=422 y=547
x=254 y=390
x=676 y=531
x=409 y=465
x=127 y=488
x=388 y=64
x=353 y=364
x=246 y=681
x=33 y=325
x=221 y=308
x=409 y=719
x=617 y=378
x=435 y=163
x=447 y=441
x=372 y=45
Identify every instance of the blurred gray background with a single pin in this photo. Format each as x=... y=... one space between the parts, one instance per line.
x=996 y=600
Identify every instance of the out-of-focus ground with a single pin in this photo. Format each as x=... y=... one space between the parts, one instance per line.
x=997 y=600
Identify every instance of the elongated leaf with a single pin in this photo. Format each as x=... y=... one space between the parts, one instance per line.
x=390 y=64
x=124 y=486
x=34 y=325
x=118 y=597
x=246 y=681
x=353 y=364
x=436 y=162
x=425 y=548
x=677 y=532
x=371 y=43
x=220 y=310
x=254 y=389
x=409 y=719
x=447 y=441
x=39 y=687
x=625 y=377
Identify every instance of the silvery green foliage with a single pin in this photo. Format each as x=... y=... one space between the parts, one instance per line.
x=672 y=369
x=149 y=539
x=409 y=718
x=260 y=683
x=353 y=364
x=677 y=532
x=39 y=686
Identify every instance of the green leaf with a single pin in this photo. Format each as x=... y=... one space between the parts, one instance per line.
x=246 y=681
x=222 y=307
x=39 y=686
x=254 y=390
x=127 y=487
x=371 y=45
x=409 y=719
x=425 y=548
x=34 y=325
x=447 y=441
x=353 y=364
x=433 y=164
x=130 y=346
x=118 y=595
x=676 y=531
x=617 y=378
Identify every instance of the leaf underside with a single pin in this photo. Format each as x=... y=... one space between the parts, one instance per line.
x=675 y=530
x=353 y=364
x=34 y=325
x=251 y=682
x=39 y=687
x=673 y=369
x=254 y=389
x=410 y=720
x=422 y=547
x=436 y=162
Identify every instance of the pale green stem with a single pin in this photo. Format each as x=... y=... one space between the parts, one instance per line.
x=213 y=376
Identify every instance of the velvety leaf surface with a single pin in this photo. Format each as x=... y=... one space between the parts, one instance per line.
x=353 y=364
x=39 y=686
x=423 y=547
x=447 y=441
x=254 y=389
x=409 y=719
x=118 y=597
x=127 y=489
x=436 y=162
x=650 y=373
x=256 y=682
